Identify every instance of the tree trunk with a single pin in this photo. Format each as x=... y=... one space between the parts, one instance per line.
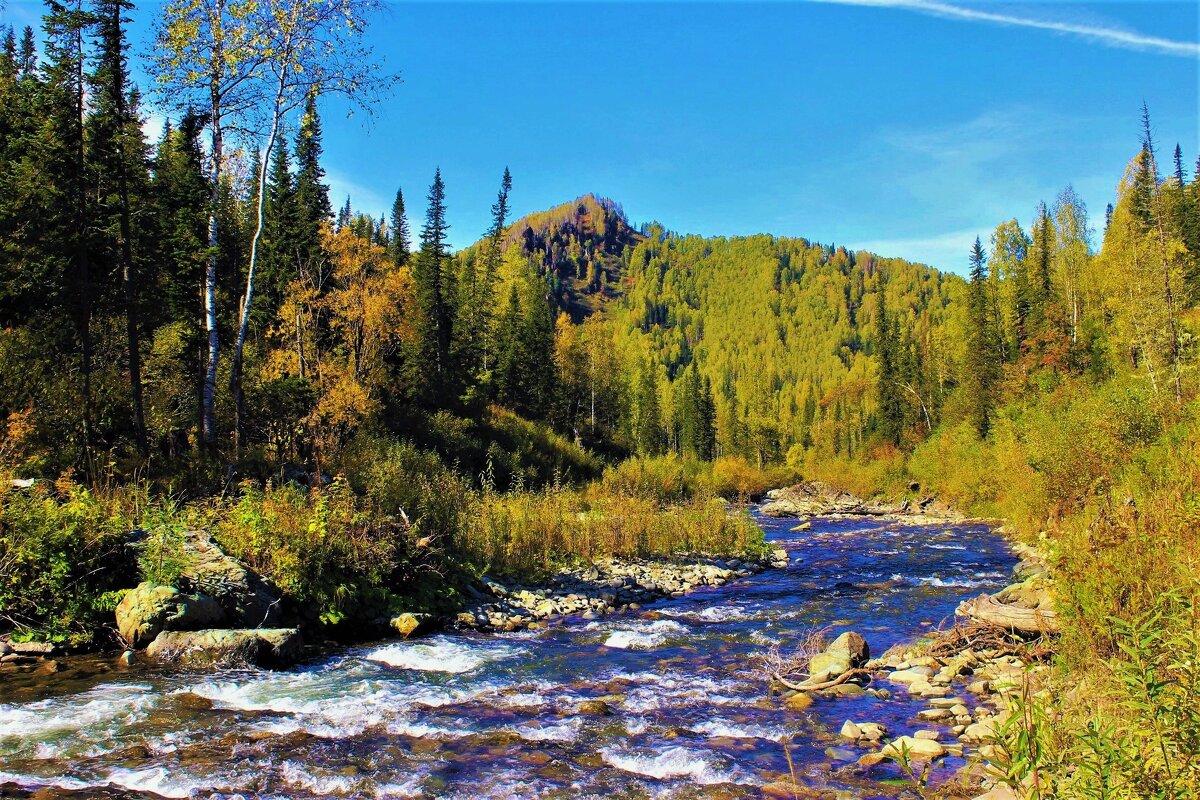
x=209 y=410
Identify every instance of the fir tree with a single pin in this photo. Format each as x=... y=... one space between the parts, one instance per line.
x=118 y=149
x=313 y=210
x=891 y=409
x=400 y=245
x=433 y=278
x=27 y=62
x=1179 y=176
x=982 y=362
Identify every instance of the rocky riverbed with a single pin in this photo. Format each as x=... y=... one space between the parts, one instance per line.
x=667 y=699
x=603 y=587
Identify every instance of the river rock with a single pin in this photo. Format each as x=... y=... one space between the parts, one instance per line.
x=597 y=708
x=851 y=731
x=244 y=595
x=148 y=610
x=915 y=749
x=409 y=625
x=260 y=647
x=847 y=652
x=37 y=649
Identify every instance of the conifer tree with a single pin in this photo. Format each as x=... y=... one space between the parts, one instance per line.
x=891 y=408
x=27 y=55
x=66 y=27
x=119 y=151
x=433 y=280
x=982 y=364
x=647 y=432
x=400 y=246
x=313 y=209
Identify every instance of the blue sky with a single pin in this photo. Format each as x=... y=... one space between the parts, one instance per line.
x=902 y=126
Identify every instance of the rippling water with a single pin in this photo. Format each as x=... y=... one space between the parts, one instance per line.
x=496 y=715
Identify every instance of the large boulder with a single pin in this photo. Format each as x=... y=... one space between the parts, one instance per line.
x=260 y=647
x=247 y=599
x=148 y=610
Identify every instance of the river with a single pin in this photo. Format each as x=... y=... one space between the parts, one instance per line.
x=497 y=715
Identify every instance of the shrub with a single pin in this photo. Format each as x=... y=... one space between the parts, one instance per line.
x=61 y=550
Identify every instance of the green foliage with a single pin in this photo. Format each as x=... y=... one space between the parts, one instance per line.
x=62 y=551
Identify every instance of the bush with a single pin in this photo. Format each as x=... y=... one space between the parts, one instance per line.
x=61 y=550
x=327 y=555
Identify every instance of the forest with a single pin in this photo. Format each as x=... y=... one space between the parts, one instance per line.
x=192 y=335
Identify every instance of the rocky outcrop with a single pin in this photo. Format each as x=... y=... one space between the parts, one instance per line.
x=817 y=499
x=260 y=647
x=148 y=610
x=604 y=586
x=243 y=594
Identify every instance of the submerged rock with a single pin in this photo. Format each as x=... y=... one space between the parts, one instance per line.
x=148 y=610
x=260 y=647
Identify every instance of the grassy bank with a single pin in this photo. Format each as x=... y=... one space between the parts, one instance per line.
x=1106 y=478
x=403 y=531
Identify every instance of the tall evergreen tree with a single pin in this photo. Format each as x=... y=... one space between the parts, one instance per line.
x=891 y=407
x=982 y=363
x=313 y=209
x=66 y=26
x=433 y=279
x=119 y=153
x=400 y=245
x=1179 y=176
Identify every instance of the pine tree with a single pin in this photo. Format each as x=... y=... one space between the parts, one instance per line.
x=66 y=28
x=983 y=366
x=313 y=210
x=891 y=408
x=1179 y=176
x=400 y=245
x=279 y=234
x=647 y=432
x=27 y=59
x=433 y=279
x=119 y=151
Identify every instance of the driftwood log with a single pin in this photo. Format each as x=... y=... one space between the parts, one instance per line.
x=808 y=686
x=986 y=608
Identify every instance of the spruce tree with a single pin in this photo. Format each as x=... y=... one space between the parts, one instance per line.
x=313 y=209
x=891 y=409
x=982 y=363
x=27 y=56
x=66 y=26
x=119 y=153
x=434 y=285
x=279 y=233
x=1179 y=176
x=400 y=245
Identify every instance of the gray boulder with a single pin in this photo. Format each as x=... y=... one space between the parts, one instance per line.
x=148 y=610
x=260 y=647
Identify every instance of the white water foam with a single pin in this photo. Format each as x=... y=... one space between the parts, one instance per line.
x=156 y=780
x=674 y=762
x=714 y=614
x=719 y=728
x=76 y=725
x=442 y=654
x=644 y=636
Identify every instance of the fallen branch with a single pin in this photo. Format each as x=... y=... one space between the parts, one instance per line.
x=816 y=687
x=987 y=608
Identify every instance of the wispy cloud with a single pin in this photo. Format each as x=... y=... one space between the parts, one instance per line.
x=1108 y=36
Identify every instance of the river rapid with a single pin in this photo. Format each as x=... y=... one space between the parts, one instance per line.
x=469 y=715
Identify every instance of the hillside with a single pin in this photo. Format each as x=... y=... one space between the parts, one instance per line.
x=581 y=245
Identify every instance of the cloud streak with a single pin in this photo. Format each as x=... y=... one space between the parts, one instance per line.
x=1110 y=37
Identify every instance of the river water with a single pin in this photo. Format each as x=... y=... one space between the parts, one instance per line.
x=496 y=715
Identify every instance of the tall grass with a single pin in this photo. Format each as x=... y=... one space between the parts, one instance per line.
x=525 y=533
